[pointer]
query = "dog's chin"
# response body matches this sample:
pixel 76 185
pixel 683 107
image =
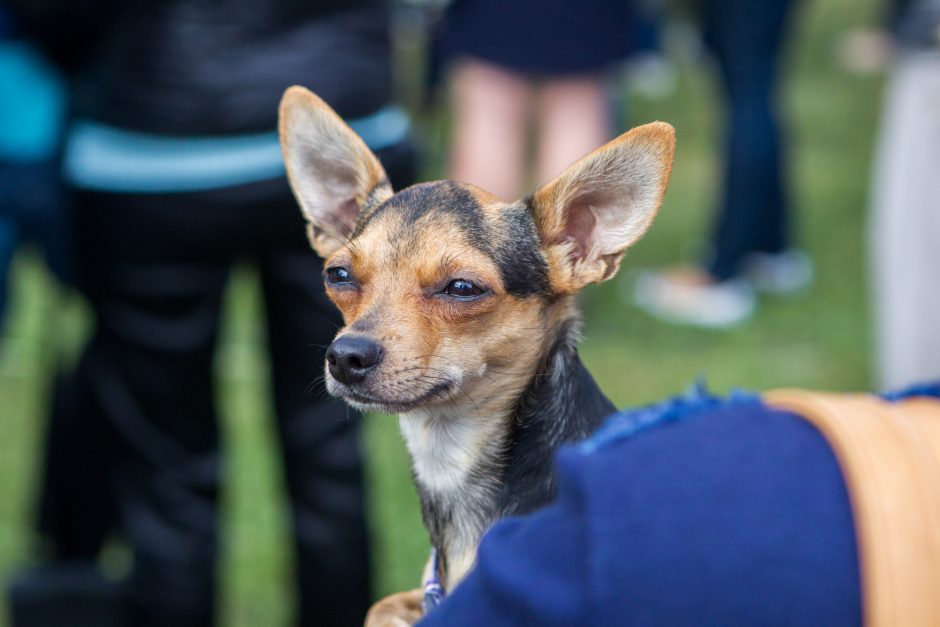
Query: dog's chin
pixel 365 400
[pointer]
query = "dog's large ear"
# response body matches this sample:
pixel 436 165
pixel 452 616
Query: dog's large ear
pixel 331 170
pixel 599 206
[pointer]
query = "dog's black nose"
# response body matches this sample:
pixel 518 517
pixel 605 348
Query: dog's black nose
pixel 351 357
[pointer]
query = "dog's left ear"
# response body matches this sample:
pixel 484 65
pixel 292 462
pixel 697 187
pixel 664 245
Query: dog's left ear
pixel 599 206
pixel 331 170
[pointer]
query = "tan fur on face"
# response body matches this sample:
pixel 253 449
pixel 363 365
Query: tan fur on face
pixel 482 347
pixel 486 350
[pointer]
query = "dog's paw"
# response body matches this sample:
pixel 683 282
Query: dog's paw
pixel 398 610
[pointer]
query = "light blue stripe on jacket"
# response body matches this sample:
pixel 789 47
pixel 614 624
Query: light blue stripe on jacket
pixel 105 158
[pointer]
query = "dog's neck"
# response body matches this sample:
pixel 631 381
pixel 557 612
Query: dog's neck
pixel 473 465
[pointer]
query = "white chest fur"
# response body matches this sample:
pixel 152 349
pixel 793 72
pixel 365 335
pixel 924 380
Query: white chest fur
pixel 444 448
pixel 455 458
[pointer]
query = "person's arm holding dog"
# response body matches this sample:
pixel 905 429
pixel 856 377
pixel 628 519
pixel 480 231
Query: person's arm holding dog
pixel 718 512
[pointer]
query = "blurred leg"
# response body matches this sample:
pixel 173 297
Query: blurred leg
pixel 573 120
pixel 746 38
pixel 76 496
pixel 146 374
pixel 905 226
pixel 490 108
pixel 159 395
pixel 320 442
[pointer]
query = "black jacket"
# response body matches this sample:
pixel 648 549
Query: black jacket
pixel 214 67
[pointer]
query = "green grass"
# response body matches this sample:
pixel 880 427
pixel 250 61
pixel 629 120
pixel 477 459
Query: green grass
pixel 818 339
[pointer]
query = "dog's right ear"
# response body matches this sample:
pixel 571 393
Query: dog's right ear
pixel 333 173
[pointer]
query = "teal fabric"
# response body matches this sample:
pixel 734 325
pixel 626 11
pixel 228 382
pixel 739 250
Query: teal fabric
pixel 32 104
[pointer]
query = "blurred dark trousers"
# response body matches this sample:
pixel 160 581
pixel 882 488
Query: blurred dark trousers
pixel 746 37
pixel 134 439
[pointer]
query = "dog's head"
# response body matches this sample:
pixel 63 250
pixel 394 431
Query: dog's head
pixel 447 292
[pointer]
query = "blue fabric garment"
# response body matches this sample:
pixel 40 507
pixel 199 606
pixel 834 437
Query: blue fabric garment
pixel 524 36
pixel 718 513
pixel 931 389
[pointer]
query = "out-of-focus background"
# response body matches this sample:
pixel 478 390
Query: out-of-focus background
pixel 820 338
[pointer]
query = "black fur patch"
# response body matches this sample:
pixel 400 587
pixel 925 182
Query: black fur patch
pixel 562 404
pixel 512 244
pixel 519 254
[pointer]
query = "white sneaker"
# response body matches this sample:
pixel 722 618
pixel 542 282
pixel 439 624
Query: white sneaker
pixel 690 297
pixel 779 273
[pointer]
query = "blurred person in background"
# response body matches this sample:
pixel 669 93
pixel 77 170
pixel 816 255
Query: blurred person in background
pixel 175 165
pixel 751 243
pixel 905 205
pixel 32 103
pixel 512 61
pixel 869 49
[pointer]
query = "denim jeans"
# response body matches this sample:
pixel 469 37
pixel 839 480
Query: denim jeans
pixel 746 38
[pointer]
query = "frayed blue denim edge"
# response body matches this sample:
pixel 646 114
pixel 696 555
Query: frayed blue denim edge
pixel 697 399
pixel 923 389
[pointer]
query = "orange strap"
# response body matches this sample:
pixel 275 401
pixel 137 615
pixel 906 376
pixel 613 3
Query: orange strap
pixel 889 453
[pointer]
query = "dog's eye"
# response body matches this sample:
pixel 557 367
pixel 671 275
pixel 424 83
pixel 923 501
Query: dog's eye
pixel 338 276
pixel 462 288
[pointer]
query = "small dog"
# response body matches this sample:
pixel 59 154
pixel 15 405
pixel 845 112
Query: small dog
pixel 460 313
